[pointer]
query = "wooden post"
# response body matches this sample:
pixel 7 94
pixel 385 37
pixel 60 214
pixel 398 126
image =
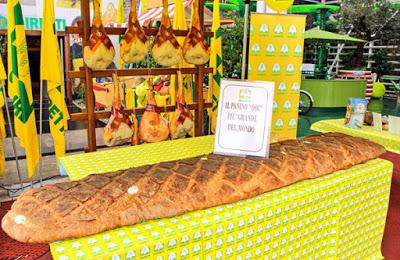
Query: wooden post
pixel 200 101
pixel 67 66
pixel 199 79
pixel 89 95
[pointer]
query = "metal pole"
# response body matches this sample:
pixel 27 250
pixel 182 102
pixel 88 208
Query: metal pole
pixel 245 29
pixel 12 134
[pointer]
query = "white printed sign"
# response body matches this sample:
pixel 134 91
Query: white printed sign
pixel 244 118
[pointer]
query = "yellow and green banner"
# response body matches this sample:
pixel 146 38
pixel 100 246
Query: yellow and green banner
pixel 276 54
pixel 3 76
pixel 216 63
pixel 19 86
pixel 51 71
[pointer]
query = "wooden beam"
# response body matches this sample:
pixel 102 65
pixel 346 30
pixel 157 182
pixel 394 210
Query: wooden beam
pixel 137 72
pixel 122 30
pixel 89 95
pixel 106 114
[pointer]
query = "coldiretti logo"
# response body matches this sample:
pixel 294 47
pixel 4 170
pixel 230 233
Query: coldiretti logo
pixel 276 69
pixel 298 50
pixel 292 123
pixel 244 95
pixel 282 88
pixel 292 30
pixel 287 106
pixel 270 49
pixel 261 68
pixel 278 29
pixel 255 49
pixel 33 23
pixel 290 68
pixel 251 29
pixel 275 106
pixel 284 50
pixel 264 29
pixel 279 124
pixel 295 87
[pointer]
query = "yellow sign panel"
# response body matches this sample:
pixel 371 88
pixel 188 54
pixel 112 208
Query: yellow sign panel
pixel 276 54
pixel 279 5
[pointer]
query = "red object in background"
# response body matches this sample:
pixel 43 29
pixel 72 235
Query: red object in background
pixel 12 249
pixel 158 87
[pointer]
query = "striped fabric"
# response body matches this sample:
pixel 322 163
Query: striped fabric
pixel 359 74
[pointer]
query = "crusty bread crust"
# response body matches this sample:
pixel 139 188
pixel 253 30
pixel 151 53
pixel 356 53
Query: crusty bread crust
pixel 107 201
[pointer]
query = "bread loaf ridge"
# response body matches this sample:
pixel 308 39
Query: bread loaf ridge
pixel 102 202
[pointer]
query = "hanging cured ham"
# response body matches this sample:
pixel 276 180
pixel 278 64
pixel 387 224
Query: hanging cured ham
pixel 119 129
pixel 99 51
pixel 182 122
pixel 166 49
pixel 152 128
pixel 135 44
pixel 195 48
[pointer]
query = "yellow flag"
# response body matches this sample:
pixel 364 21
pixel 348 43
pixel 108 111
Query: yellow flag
pixel 50 70
pixel 120 19
pixel 179 23
pixel 216 63
pixel 19 86
pixel 144 6
pixel 3 76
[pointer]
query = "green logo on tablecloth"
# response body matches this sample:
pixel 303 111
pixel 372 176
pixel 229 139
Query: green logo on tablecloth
pixel 270 50
pixel 130 255
pixel 80 255
pixel 251 30
pixel 282 88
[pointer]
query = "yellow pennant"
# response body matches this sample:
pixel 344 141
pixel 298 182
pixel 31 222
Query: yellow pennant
pixel 279 5
pixel 3 75
pixel 19 86
pixel 216 63
pixel 50 70
pixel 179 23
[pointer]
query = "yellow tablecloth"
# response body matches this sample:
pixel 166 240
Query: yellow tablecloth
pixel 338 216
pixel 390 141
pixel 81 165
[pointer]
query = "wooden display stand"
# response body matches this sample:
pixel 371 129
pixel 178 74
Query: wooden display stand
pixel 88 74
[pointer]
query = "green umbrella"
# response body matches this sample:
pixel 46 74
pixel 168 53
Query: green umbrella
pixel 317 35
